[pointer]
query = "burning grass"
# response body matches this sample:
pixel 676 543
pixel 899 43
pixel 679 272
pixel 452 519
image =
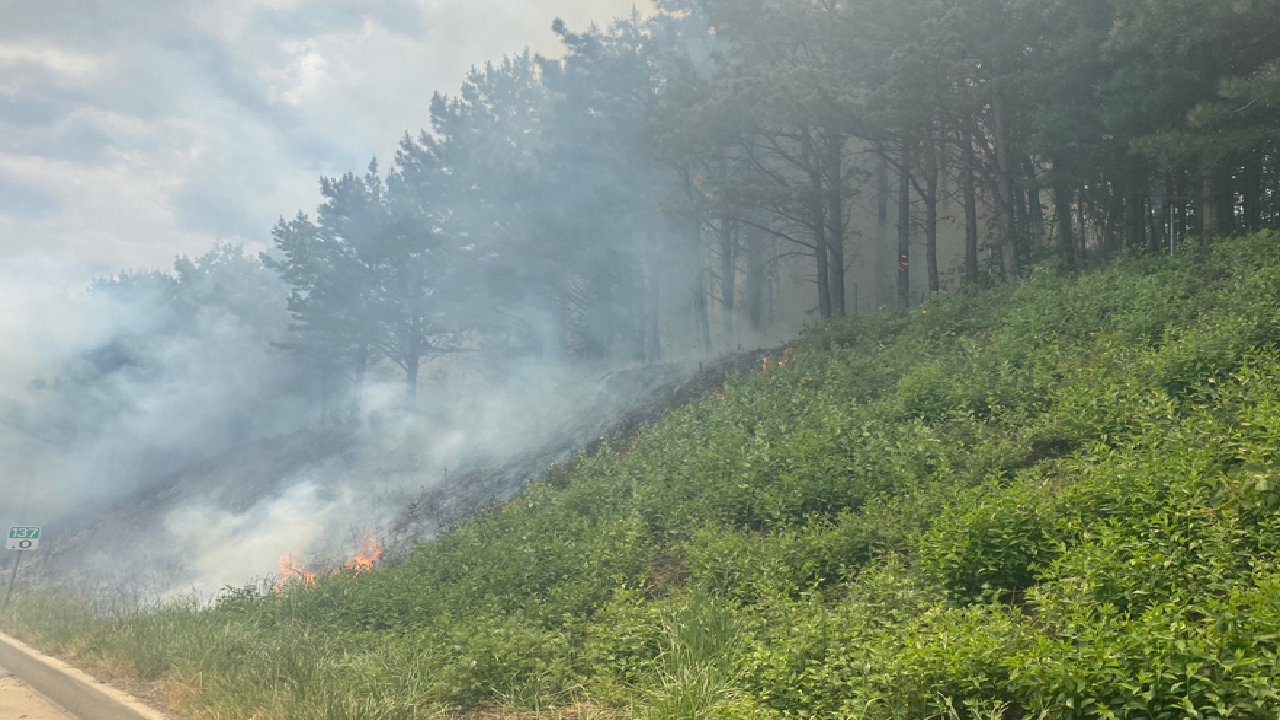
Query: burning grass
pixel 366 555
pixel 293 571
pixel 365 558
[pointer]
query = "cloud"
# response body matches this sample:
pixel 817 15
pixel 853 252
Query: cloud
pixel 23 201
pixel 139 129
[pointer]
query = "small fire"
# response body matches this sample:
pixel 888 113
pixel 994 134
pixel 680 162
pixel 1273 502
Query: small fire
pixel 768 362
pixel 367 554
pixel 368 551
pixel 291 570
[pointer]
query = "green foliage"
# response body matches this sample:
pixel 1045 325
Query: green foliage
pixel 1200 654
pixel 1060 498
pixel 992 543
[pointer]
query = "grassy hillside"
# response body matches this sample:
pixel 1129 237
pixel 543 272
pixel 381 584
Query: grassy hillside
pixel 1058 498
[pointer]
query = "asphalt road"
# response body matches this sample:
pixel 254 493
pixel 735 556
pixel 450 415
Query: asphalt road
pixel 19 702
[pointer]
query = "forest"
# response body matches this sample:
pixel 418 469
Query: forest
pixel 722 172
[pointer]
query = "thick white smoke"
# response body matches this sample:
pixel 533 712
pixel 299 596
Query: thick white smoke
pixel 148 131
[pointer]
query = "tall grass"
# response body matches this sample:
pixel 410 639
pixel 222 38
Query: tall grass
pixel 697 669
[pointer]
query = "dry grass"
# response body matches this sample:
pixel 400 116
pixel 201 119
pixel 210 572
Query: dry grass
pixel 159 695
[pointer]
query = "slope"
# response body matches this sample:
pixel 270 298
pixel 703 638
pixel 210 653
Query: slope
pixel 1059 498
pixel 230 517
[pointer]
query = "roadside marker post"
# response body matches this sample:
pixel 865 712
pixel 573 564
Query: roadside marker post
pixel 21 537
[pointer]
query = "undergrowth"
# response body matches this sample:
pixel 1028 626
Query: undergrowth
pixel 1055 499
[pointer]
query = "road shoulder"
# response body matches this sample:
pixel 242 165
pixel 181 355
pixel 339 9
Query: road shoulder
pixel 85 697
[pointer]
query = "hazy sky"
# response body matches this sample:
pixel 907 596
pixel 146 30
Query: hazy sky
pixel 134 130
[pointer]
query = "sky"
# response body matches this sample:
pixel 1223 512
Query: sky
pixel 132 131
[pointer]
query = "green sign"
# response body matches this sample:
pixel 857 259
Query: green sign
pixel 23 538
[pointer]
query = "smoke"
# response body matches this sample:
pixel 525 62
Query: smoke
pixel 43 326
pixel 225 548
pixel 154 424
pixel 136 131
pixel 103 392
pixel 313 494
pixel 155 429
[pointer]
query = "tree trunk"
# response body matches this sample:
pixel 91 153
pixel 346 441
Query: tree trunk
pixel 1062 211
pixel 700 300
pixel 835 220
pixel 1133 225
pixel 1252 191
pixel 817 222
pixel 884 274
pixel 1022 233
pixel 728 275
pixel 1135 206
pixel 755 278
pixel 904 229
pixel 1225 184
pixel 971 270
pixel 701 310
pixel 1082 221
pixel 653 288
pixel 824 270
pixel 1209 221
pixel 1269 199
pixel 931 214
pixel 1115 222
pixel 1006 203
pixel 1035 207
pixel 1159 202
pixel 1181 225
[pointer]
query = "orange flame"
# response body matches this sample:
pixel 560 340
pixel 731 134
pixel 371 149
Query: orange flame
pixel 366 557
pixel 367 554
pixel 291 570
pixel 765 363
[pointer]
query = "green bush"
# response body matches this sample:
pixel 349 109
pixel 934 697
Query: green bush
pixel 993 542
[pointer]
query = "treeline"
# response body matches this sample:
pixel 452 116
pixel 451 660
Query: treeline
pixel 635 198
